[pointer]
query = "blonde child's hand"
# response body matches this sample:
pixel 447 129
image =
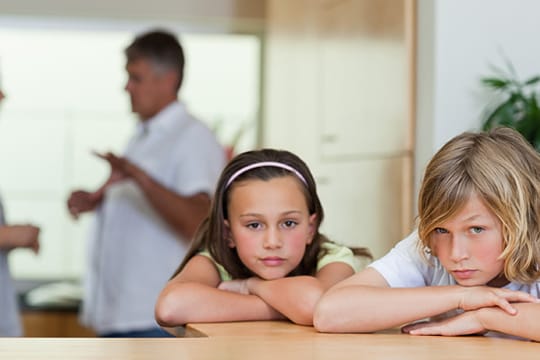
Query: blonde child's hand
pixel 467 323
pixel 477 297
pixel 237 286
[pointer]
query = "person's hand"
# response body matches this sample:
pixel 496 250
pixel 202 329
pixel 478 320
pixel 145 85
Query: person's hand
pixel 22 236
pixel 237 286
pixel 82 201
pixel 467 323
pixel 121 168
pixel 477 297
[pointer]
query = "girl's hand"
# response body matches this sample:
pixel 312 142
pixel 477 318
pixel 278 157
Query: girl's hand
pixel 477 297
pixel 467 323
pixel 237 286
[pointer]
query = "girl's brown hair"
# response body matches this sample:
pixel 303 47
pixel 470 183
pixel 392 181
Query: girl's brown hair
pixel 212 234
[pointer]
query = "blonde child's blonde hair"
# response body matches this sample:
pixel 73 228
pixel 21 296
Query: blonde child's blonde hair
pixel 503 169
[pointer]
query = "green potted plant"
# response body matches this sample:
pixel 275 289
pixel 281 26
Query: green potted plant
pixel 516 104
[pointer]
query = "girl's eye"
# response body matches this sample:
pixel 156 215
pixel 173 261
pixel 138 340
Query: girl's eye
pixel 440 231
pixel 289 223
pixel 254 225
pixel 477 229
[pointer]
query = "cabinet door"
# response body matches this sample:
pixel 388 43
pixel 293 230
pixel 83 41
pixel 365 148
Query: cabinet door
pixel 291 78
pixel 53 324
pixel 364 202
pixel 363 71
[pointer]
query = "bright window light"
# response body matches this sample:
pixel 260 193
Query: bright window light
pixel 65 98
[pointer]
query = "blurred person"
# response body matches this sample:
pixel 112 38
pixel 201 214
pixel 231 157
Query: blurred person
pixel 156 196
pixel 12 237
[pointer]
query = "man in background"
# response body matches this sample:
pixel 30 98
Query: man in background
pixel 155 198
pixel 11 237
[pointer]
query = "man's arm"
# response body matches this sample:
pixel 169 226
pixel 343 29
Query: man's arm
pixel 182 213
pixel 81 201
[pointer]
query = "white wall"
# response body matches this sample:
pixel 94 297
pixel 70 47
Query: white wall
pixel 458 40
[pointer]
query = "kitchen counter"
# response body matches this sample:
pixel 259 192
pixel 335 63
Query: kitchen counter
pixel 50 307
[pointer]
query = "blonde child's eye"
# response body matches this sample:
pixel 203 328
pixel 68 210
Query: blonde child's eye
pixel 477 229
pixel 440 231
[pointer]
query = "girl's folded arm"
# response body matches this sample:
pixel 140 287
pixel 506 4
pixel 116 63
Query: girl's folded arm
pixel 192 296
pixel 296 297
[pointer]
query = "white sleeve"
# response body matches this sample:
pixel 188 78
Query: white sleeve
pixel 404 266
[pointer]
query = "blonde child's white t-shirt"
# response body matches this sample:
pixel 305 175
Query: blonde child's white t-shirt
pixel 405 267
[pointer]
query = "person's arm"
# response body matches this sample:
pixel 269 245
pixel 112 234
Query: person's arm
pixel 81 201
pixel 365 303
pixel 525 323
pixel 19 236
pixel 167 203
pixel 296 297
pixel 192 296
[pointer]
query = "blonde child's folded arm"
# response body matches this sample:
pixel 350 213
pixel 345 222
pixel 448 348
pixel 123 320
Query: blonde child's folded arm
pixel 296 297
pixel 525 323
pixel 349 306
pixel 192 296
pixel 365 303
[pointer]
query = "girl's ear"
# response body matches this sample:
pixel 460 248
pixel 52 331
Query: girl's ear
pixel 228 234
pixel 311 228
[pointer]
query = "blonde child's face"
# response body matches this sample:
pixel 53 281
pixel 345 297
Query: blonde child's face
pixel 270 225
pixel 469 244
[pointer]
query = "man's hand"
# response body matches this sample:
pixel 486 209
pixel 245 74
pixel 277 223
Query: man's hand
pixel 82 201
pixel 122 168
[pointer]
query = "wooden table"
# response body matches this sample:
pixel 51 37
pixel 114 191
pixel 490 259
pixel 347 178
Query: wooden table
pixel 270 340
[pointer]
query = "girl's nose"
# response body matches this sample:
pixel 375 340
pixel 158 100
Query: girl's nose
pixel 272 239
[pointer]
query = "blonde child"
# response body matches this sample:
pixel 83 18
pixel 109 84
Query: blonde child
pixel 474 259
pixel 259 254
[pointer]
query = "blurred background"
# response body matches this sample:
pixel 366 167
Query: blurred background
pixel 364 90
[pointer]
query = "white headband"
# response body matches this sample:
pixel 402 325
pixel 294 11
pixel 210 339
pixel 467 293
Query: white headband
pixel 263 164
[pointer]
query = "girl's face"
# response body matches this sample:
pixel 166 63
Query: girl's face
pixel 269 225
pixel 469 244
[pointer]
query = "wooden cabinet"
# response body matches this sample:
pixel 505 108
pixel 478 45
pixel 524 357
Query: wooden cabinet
pixel 53 324
pixel 339 93
pixel 364 202
pixel 363 79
